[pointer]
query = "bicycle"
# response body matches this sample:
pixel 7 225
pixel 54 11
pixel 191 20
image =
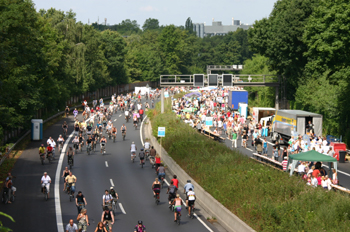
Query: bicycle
pixel 191 212
pixel 6 197
pixel 80 207
pixel 114 206
pixel 69 192
pixel 142 163
pixel 114 136
pixel 135 125
pixel 103 148
pixel 60 146
pixel 178 216
pixel 133 156
pixel 88 149
pixel 49 156
pixel 70 163
pixel 124 134
pixel 44 190
pixel 64 134
pixel 42 158
pixel 157 198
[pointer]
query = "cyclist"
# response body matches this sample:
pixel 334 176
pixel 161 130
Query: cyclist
pixel 161 172
pixel 135 120
pixel 71 227
pixel 191 196
pixel 177 202
pixel 147 146
pixel 64 175
pixel 103 143
pixel 114 132
pixel 156 187
pixel 89 129
pixel 76 129
pixel 142 156
pixel 65 127
pixel 88 143
pixel 83 220
pixel 187 188
pixel 153 152
pixel 133 149
pixel 42 151
pixel 70 155
pixel 60 141
pixel 81 141
pixel 107 217
pixel 141 114
pixel 172 192
pixel 49 150
pixel 9 188
pixel 45 182
pixel 123 129
pixel 53 145
pixel 175 181
pixel 75 142
pixel 107 198
pixel 71 180
pixel 67 111
pixel 114 194
pixel 80 201
pixel 139 227
pixel 126 115
pixel 75 113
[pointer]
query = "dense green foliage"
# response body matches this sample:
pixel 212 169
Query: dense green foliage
pixel 46 57
pixel 308 42
pixel 265 198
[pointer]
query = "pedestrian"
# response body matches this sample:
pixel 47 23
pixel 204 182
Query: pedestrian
pixel 285 163
pixel 234 139
pixel 275 154
pixel 265 147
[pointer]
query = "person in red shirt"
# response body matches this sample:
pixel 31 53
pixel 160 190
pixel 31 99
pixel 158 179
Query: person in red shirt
pixel 49 150
pixel 175 181
pixel 97 108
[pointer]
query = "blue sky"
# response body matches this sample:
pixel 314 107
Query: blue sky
pixel 167 12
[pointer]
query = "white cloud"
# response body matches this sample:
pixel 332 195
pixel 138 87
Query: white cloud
pixel 148 8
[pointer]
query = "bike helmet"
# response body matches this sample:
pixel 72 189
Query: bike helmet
pixel 188 181
pixel 133 142
pixel 139 222
pixel 141 149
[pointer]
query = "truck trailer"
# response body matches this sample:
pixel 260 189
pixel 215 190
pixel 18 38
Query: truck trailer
pixel 262 112
pixel 287 123
pixel 235 97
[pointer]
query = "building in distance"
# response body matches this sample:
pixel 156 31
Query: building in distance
pixel 217 28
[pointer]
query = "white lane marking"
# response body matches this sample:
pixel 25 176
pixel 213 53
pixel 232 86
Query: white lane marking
pixel 115 119
pixel 122 208
pixel 106 164
pixel 112 184
pixel 141 130
pixel 59 220
pixel 249 149
pixel 200 220
pixel 120 115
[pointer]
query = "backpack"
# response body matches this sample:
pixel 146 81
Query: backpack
pixel 172 190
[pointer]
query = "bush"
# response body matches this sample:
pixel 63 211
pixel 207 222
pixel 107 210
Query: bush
pixel 265 198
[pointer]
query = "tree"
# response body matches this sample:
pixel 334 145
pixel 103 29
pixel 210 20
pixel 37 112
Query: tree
pixel 279 38
pixel 189 25
pixel 150 24
pixel 128 27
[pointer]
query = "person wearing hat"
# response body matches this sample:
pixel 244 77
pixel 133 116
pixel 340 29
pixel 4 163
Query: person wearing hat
pixel 114 194
pixel 285 163
pixel 45 182
pixel 187 188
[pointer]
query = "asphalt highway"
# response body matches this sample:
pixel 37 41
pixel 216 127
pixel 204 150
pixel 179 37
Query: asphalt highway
pixel 95 173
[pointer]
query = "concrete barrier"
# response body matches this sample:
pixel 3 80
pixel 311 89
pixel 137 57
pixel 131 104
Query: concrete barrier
pixel 225 217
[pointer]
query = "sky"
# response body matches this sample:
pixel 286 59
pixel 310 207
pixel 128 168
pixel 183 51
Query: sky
pixel 167 12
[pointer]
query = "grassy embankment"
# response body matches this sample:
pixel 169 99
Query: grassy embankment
pixel 266 199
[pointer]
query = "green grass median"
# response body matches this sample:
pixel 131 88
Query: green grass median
pixel 265 198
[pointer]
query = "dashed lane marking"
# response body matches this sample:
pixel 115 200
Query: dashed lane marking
pixel 122 208
pixel 112 184
pixel 106 164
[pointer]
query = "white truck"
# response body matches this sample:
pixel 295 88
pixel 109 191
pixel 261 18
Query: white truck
pixel 287 123
pixel 261 112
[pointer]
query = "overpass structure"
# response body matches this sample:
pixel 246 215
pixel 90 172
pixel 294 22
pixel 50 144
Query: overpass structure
pixel 226 80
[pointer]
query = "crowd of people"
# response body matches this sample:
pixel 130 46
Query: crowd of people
pixel 195 108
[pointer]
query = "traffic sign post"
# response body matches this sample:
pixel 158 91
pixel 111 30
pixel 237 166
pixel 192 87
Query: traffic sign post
pixel 161 134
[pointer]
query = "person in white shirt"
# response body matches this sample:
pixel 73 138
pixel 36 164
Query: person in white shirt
pixel 319 149
pixel 133 149
pixel 324 143
pixel 147 146
pixel 107 198
pixel 301 169
pixel 314 182
pixel 191 196
pixel 46 181
pixel 71 227
pixel 53 145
